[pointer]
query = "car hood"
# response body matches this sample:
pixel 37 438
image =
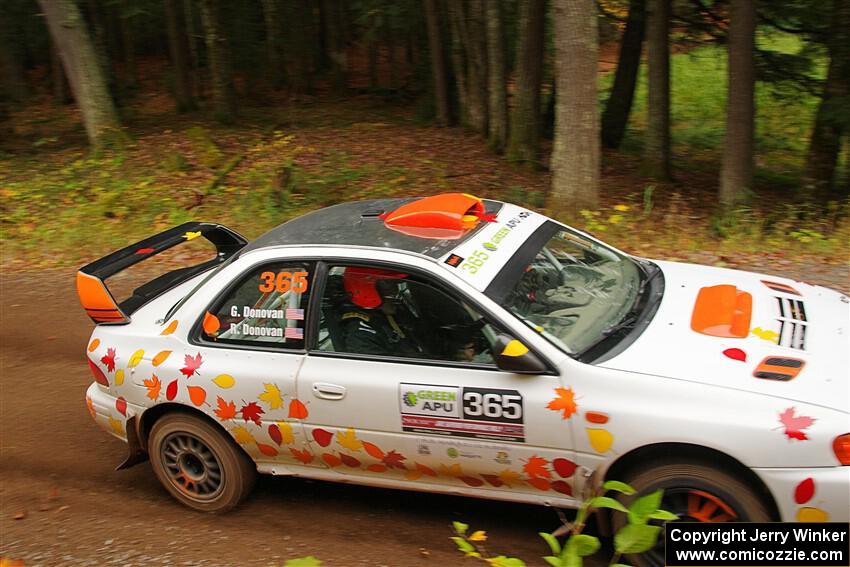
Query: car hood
pixel 754 333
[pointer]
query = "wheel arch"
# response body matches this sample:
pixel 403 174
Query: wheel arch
pixel 672 452
pixel 154 414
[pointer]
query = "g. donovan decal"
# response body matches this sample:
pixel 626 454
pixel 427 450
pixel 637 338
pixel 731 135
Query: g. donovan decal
pixel 483 413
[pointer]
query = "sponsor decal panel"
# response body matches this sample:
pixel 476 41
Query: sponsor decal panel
pixel 481 413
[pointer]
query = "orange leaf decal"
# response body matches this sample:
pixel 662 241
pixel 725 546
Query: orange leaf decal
pixel 170 328
pixel 565 401
pixel 94 344
pixel 160 357
pixel 539 483
pixel 226 410
pixel 425 470
pixel 197 394
pixel 109 359
pixel 509 477
pixel 794 425
pixel 536 467
pixel 90 405
pixel 267 450
pixel 413 474
pixel 297 410
pixel 304 455
pixel 452 471
pixel 192 363
pixel 153 385
pixel 211 324
pixel 373 450
pixel 376 468
pixel 331 460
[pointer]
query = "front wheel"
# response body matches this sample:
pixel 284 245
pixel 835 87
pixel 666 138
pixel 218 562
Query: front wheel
pixel 198 465
pixel 696 493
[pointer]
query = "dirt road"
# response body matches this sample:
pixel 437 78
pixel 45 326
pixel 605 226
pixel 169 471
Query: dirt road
pixel 61 502
pixel 56 470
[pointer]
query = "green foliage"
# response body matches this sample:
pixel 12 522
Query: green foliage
pixel 637 536
pixel 308 561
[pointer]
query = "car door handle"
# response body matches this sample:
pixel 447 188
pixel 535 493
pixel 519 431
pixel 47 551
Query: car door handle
pixel 328 391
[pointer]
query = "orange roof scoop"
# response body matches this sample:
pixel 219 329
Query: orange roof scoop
pixel 447 216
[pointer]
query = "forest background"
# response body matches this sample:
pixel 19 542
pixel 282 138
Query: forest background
pixel 706 130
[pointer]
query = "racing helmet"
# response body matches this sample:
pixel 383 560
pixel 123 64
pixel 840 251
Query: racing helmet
pixel 362 284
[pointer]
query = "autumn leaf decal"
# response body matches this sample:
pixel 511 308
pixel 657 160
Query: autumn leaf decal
pixel 226 410
pixel 565 402
pixel 394 460
pixel 252 412
pixel 536 468
pixel 302 455
pixel 109 359
pixel 272 396
pixel 794 425
pixel 154 386
pixel 349 440
pixel 242 435
pixel 191 365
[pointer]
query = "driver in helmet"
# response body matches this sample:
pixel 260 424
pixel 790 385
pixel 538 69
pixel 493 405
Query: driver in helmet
pixel 375 320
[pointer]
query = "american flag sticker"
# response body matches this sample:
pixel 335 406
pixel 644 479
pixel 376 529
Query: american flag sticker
pixel 294 314
pixel 296 333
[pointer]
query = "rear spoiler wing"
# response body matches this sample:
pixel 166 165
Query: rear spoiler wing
pixel 98 301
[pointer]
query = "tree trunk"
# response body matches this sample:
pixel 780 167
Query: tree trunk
pixel 128 46
pixel 100 43
pixel 69 33
pixel 459 64
pixel 58 80
pixel 178 46
pixel 736 174
pixel 497 107
pixel 831 121
pixel 468 24
pixel 525 118
pixel 335 44
pixel 439 74
pixel 221 68
pixel 575 152
pixel 656 149
pixel 619 105
pixel 12 76
pixel 274 43
pixel 194 49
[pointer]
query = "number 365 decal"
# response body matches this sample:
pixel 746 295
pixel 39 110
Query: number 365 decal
pixel 485 404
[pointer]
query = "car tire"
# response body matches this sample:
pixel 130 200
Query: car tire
pixel 198 465
pixel 695 492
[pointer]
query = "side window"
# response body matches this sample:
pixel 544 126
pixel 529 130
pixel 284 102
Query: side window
pixel 267 307
pixel 383 312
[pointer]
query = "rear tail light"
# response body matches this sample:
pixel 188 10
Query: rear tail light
pixel 841 447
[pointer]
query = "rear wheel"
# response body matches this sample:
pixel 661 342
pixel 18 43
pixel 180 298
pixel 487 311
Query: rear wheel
pixel 696 493
pixel 198 465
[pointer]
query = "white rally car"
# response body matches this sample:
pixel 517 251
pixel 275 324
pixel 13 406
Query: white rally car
pixel 455 345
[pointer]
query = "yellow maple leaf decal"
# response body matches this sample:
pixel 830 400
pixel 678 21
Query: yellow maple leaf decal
pixel 242 435
pixel 272 396
pixel 191 235
pixel 453 471
pixel 349 440
pixel 286 436
pixel 766 335
pixel 509 477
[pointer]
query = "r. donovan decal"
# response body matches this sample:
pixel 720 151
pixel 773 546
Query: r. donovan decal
pixel 483 413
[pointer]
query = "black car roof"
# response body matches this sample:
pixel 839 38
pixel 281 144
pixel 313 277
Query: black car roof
pixel 358 223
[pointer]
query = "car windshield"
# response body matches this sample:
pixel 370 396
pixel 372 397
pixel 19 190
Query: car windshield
pixel 574 290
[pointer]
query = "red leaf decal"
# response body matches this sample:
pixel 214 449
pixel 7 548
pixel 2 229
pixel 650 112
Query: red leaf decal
pixel 736 354
pixel 109 359
pixel 794 424
pixel 394 460
pixel 331 459
pixel 323 437
pixel 539 483
pixel 171 391
pixel 252 412
pixel 297 410
pixel 493 480
pixel 472 481
pixel 121 405
pixel 349 461
pixel 562 487
pixel 804 491
pixel 274 434
pixel 99 376
pixel 536 468
pixel 267 450
pixel 564 467
pixel 376 468
pixel 192 363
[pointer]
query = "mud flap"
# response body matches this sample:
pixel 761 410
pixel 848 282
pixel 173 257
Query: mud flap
pixel 135 453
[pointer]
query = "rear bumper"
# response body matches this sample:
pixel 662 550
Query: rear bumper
pixel 830 500
pixel 103 408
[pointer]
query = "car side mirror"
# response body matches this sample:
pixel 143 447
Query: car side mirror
pixel 513 356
